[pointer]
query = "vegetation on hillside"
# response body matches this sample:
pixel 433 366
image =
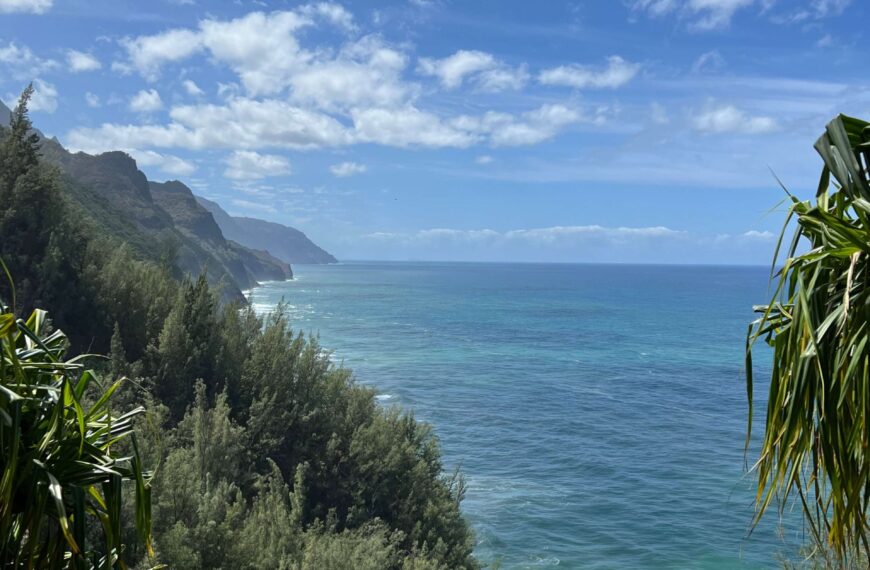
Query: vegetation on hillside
pixel 264 453
pixel 816 443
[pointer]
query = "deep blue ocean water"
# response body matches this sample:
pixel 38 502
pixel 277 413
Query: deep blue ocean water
pixel 597 411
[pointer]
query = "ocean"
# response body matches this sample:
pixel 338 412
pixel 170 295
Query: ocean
pixel 598 412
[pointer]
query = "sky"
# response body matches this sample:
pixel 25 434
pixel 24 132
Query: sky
pixel 503 130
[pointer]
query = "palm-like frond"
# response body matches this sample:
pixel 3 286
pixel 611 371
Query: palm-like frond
pixel 817 430
pixel 58 467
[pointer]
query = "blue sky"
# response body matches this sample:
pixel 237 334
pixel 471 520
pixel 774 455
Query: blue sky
pixel 624 131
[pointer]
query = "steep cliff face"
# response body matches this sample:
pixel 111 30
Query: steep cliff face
pixel 157 218
pixel 197 224
pixel 178 201
pixel 5 114
pixel 285 243
pixel 114 177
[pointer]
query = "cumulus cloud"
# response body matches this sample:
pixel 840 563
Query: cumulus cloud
pixel 241 123
pixel 729 119
pixel 79 61
pixel 249 165
pixel 22 64
pixel 333 13
pixel 146 101
pixel 295 97
pixel 192 88
pixel 617 73
pixel 92 100
pixel 261 48
pixel 408 126
pixel 453 69
pixel 502 79
pixel 25 6
pixel 346 169
pixel 44 97
pixel 146 54
pixel 484 69
pixel 364 73
pixel 168 163
pixel 257 124
pixel 532 127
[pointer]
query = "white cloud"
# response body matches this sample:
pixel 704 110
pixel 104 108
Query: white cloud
pixel 168 163
pixel 486 72
pixel 483 159
pixel 825 8
pixel 146 101
pixel 44 97
pixel 250 123
pixel 240 124
pixel 92 100
pixel 261 48
pixel 26 6
pixel 146 54
pixel 617 73
pixel 253 206
pixel 702 15
pixel 554 235
pixel 346 169
pixel 757 235
pixel 730 119
pixel 815 10
pixel 192 88
pixel 79 61
pixel 366 72
pixel 249 165
pixel 708 62
pixel 336 14
pixel 22 63
pixel 502 79
pixel 293 97
pixel 258 124
pixel 452 70
pixel 532 127
pixel 407 126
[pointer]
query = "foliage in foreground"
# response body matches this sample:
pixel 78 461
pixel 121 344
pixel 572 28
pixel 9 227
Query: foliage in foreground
pixel 265 454
pixel 816 443
pixel 60 481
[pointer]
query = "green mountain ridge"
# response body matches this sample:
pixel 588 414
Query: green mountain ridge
pixel 245 265
pixel 284 242
pixel 116 195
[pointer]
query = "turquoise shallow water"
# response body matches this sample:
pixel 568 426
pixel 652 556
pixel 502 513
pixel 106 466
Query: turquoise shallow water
pixel 598 411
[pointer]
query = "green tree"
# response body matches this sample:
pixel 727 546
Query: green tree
pixel 817 428
pixel 186 347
